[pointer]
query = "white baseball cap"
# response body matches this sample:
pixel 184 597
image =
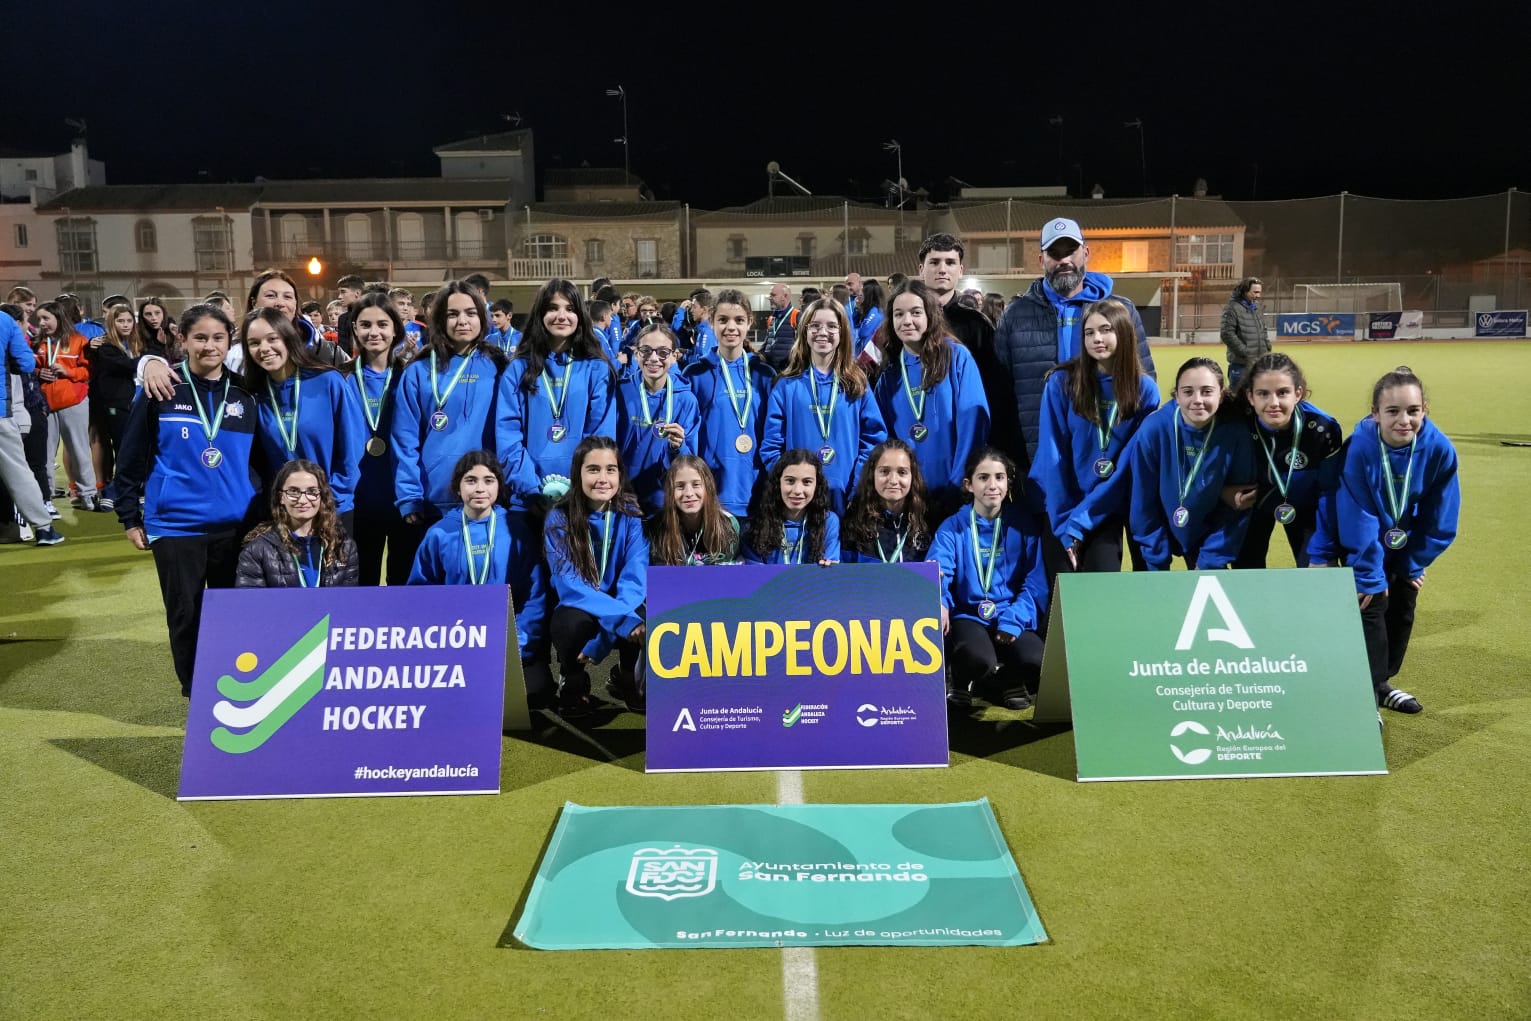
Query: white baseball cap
pixel 1060 228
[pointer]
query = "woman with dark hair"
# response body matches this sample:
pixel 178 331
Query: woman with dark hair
pixel 597 599
pixel 199 463
pixel 693 527
pixel 374 378
pixel 794 524
pixel 993 306
pixel 1242 329
pixel 560 390
pixel 930 393
pixel 303 545
pixel 444 407
pixel 1092 405
pixel 306 409
pixel 873 316
pixel 887 521
pixel 154 329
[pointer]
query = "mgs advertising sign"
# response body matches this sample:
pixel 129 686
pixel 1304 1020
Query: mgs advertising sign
pixel 1212 674
pixel 348 692
pixel 771 667
pixel 1316 325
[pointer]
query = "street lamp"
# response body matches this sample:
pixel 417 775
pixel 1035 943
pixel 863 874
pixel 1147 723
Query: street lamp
pixel 315 267
pixel 620 93
pixel 1137 122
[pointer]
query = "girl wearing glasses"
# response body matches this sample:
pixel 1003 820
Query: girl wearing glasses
pixel 302 546
pixel 822 402
pixel 657 416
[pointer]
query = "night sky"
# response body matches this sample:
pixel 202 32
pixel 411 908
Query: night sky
pixel 1264 101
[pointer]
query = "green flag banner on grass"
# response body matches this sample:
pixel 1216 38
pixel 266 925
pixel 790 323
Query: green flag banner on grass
pixel 776 876
pixel 1197 674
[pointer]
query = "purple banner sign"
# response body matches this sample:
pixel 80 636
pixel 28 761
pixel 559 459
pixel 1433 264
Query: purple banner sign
pixel 347 692
pixel 799 667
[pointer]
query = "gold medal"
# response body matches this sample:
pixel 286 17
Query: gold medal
pixel 744 444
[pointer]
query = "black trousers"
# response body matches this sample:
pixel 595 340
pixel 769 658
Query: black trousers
pixel 571 630
pixel 375 530
pixel 1257 540
pixel 1099 552
pixel 977 659
pixel 1386 624
pixel 35 445
pixel 188 565
pixel 110 421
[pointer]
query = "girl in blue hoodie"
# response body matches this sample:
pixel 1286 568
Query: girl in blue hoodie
pixel 822 402
pixel 794 524
pixel 598 560
pixel 693 529
pixel 1181 459
pixel 993 590
pixel 732 389
pixel 930 393
pixel 478 543
pixel 1082 438
pixel 560 390
pixel 445 405
pixel 657 416
pixel 1397 510
pixel 1298 458
pixel 374 377
pixel 889 518
pixel 307 410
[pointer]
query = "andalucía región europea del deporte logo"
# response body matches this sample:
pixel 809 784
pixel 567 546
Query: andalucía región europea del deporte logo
pixel 252 710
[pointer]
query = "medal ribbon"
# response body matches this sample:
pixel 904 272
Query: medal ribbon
pixel 54 346
pixel 556 405
pixel 916 406
pixel 898 551
pixel 1184 481
pixel 441 398
pixel 475 576
pixel 605 547
pixel 366 407
pixel 985 578
pixel 1397 501
pixel 290 442
pixel 669 400
pixel 834 391
pixel 308 550
pixel 1291 459
pixel 208 428
pixel 742 414
pixel 791 550
pixel 1103 433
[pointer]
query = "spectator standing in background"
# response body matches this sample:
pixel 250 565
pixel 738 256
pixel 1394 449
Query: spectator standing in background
pixel 1243 329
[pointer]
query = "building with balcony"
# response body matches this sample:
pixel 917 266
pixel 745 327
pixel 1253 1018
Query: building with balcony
pixel 508 156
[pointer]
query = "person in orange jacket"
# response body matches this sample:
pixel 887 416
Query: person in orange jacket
pixel 65 375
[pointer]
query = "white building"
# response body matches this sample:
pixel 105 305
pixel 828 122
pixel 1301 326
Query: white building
pixel 22 170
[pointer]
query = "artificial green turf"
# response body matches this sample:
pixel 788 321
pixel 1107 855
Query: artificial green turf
pixel 1401 896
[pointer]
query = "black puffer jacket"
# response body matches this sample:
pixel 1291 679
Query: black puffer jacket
pixel 265 563
pixel 1026 344
pixel 976 333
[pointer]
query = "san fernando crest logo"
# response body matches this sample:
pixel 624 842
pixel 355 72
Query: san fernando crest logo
pixel 674 873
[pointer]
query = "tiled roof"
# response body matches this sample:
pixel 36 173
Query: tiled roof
pixel 1093 214
pixel 147 197
pixel 505 141
pixel 665 211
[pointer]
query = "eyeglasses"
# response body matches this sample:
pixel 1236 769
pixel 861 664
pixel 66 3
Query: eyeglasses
pixel 823 328
pixel 648 311
pixel 300 494
pixel 661 353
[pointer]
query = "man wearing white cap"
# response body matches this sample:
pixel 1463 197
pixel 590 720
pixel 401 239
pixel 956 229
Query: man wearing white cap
pixel 1041 328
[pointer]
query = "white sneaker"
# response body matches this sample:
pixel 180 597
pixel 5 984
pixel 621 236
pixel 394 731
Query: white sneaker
pixel 26 532
pixel 52 510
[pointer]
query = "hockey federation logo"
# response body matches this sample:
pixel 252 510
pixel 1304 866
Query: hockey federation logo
pixel 674 873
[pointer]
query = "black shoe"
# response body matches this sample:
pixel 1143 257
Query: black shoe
pixel 958 695
pixel 1015 698
pixel 1398 701
pixel 624 688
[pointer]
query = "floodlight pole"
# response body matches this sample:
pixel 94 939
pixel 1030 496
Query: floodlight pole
pixel 1339 255
pixel 621 93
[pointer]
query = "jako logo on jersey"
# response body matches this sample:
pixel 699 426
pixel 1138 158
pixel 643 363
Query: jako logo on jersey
pixel 1208 590
pixel 272 698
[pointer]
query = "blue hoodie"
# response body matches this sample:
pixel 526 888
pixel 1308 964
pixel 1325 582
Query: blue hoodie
pixel 703 340
pixel 1018 586
pixel 646 454
pixel 1214 532
pixel 1431 507
pixel 717 440
pixel 1071 311
pixel 426 456
pixel 514 560
pixel 866 329
pixel 162 465
pixel 524 432
pixel 375 487
pixel 792 550
pixel 792 423
pixel 13 347
pixel 1311 482
pixel 617 602
pixel 1077 495
pixel 956 417
pixel 331 430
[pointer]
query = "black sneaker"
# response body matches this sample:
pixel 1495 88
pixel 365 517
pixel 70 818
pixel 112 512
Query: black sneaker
pixel 624 689
pixel 1398 701
pixel 48 537
pixel 1015 698
pixel 958 694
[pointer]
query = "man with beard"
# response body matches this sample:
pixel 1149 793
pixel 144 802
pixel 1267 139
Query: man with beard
pixel 1041 328
pixel 780 328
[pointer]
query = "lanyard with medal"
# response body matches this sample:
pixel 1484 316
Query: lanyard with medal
pixel 826 452
pixel 1104 466
pixel 1185 480
pixel 475 575
pixel 440 418
pixel 212 457
pixel 792 552
pixel 54 347
pixel 290 441
pixel 986 607
pixel 744 444
pixel 1285 512
pixel 647 419
pixel 376 445
pixel 605 549
pixel 897 557
pixel 1397 499
pixel 558 429
pixel 918 431
pixel 308 552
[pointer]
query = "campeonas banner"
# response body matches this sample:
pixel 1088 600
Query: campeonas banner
pixel 770 667
pixel 348 691
pixel 1175 675
pixel 777 876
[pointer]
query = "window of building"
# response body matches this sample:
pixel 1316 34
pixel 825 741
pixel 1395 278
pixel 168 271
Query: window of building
pixel 31 175
pixel 77 246
pixel 1204 249
pixel 595 251
pixel 807 245
pixel 145 236
pixel 858 246
pixel 737 246
pixel 646 254
pixel 21 236
pixel 545 246
pixel 213 239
